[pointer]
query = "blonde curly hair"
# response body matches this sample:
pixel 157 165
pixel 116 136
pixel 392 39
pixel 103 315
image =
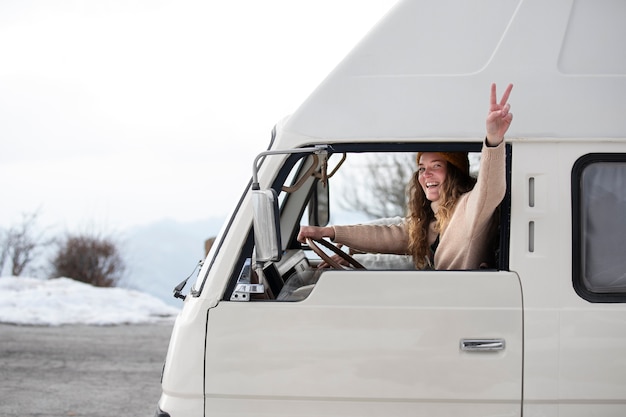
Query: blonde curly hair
pixel 420 214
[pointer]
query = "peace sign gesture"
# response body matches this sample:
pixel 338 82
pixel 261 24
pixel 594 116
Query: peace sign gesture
pixel 499 119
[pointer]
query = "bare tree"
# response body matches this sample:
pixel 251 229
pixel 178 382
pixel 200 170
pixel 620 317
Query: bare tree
pixel 381 190
pixel 21 244
pixel 4 249
pixel 91 259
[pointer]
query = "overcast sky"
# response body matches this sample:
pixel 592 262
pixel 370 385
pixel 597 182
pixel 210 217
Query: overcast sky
pixel 121 112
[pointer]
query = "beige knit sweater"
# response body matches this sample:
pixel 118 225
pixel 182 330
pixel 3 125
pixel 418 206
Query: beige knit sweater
pixel 465 242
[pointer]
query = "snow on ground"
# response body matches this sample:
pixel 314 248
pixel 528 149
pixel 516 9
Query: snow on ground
pixel 59 301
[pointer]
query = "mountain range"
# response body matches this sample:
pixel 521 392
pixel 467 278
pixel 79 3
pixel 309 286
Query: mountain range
pixel 162 254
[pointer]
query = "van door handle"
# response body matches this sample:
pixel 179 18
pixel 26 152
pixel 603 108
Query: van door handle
pixel 482 345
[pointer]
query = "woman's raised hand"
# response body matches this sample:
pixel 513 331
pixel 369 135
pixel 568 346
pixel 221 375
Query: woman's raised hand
pixel 499 118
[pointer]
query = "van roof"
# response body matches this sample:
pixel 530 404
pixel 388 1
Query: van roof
pixel 424 71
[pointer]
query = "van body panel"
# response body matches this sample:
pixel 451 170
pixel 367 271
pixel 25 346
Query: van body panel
pixel 322 349
pixel 422 72
pixel 572 347
pixel 592 335
pixel 183 380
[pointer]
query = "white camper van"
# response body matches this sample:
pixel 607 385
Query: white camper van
pixel 541 332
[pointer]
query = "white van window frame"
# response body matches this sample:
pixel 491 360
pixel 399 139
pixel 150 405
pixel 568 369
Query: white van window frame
pixel 588 278
pixel 291 242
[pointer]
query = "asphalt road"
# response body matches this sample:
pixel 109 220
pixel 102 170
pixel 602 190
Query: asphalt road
pixel 81 370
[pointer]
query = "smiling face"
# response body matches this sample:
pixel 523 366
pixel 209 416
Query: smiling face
pixel 433 170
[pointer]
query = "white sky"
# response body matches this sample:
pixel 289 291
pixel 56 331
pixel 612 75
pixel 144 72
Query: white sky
pixel 121 112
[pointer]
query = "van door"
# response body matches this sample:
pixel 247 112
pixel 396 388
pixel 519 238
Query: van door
pixel 372 343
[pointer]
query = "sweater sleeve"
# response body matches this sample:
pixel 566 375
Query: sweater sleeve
pixel 490 186
pixel 464 243
pixel 374 238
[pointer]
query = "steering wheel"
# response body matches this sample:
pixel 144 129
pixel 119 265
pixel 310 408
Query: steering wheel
pixel 313 244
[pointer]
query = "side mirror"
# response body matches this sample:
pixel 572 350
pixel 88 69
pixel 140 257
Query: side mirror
pixel 266 217
pixel 266 220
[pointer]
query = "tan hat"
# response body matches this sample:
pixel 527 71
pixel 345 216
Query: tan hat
pixel 458 159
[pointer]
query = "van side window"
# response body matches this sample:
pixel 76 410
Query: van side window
pixel 349 184
pixel 599 227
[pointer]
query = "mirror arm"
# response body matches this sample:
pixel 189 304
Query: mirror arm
pixel 307 174
pixel 320 149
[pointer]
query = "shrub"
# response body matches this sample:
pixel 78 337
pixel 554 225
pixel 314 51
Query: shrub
pixel 90 259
